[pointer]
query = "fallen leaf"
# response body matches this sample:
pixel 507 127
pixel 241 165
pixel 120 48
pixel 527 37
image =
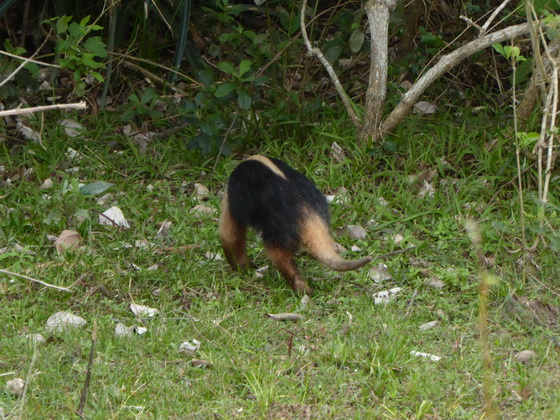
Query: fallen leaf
pixel 72 154
pixel 214 256
pixel 336 152
pixel 386 296
pixel 435 282
pixel 47 183
pixel 201 209
pixel 35 338
pixel 63 320
pixel 432 357
pixel 286 316
pixel 426 190
pixel 71 127
pixel 201 191
pixel 189 347
pixel 380 273
pixel 259 272
pixel 68 240
pixel 355 232
pixel 201 363
pixel 163 231
pixel 140 310
pixel 423 107
pixel 428 325
pixel 113 216
pixel 27 132
pixel 122 330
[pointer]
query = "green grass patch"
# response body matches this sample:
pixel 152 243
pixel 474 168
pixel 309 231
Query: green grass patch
pixel 349 358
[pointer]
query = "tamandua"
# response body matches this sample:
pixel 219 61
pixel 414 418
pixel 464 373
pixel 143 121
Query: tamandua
pixel 287 210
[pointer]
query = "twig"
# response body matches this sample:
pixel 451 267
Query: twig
pixel 472 23
pixel 148 74
pixel 29 60
pixel 83 396
pixel 22 65
pixel 9 273
pixel 317 52
pixel 226 135
pixel 411 302
pixel 390 254
pixel 492 17
pixel 27 380
pixel 290 342
pixel 20 111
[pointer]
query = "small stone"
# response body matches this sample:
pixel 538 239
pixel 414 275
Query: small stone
pixel 15 386
pixel 35 338
pixel 428 325
pixel 525 356
pixel 435 282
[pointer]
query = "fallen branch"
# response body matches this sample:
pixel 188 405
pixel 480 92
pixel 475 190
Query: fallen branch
pixel 9 273
pixel 20 111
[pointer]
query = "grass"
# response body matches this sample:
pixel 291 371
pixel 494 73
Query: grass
pixel 348 359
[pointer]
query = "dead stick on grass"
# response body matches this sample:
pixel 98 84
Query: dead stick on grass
pixel 85 389
pixel 9 273
pixel 20 111
pixel 27 381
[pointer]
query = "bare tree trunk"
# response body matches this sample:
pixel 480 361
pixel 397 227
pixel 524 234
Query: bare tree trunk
pixel 378 12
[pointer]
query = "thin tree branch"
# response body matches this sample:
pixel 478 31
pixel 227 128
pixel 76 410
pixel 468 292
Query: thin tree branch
pixel 9 273
pixel 334 78
pixel 20 111
pixel 445 64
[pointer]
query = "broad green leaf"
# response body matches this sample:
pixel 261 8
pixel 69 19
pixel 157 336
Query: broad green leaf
pixel 227 68
pixel 61 26
pixel 95 188
pixel 85 20
pixel 244 67
pixel 356 41
pixel 224 89
pixel 96 45
pixel 499 48
pixel 244 99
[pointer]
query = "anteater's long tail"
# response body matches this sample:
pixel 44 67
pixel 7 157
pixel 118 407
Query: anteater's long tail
pixel 316 238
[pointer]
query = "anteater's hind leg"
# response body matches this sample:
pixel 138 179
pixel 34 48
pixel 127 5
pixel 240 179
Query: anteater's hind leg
pixel 234 239
pixel 283 260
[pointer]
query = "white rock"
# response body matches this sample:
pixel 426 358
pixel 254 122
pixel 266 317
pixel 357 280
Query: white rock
pixel 525 356
pixel 15 386
pixel 35 338
pixel 432 357
pixel 62 320
pixel 189 346
pixel 386 296
pixel 140 310
pixel 428 325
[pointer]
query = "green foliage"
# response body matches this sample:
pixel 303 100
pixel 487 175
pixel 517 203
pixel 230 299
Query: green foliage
pixel 139 108
pixel 77 51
